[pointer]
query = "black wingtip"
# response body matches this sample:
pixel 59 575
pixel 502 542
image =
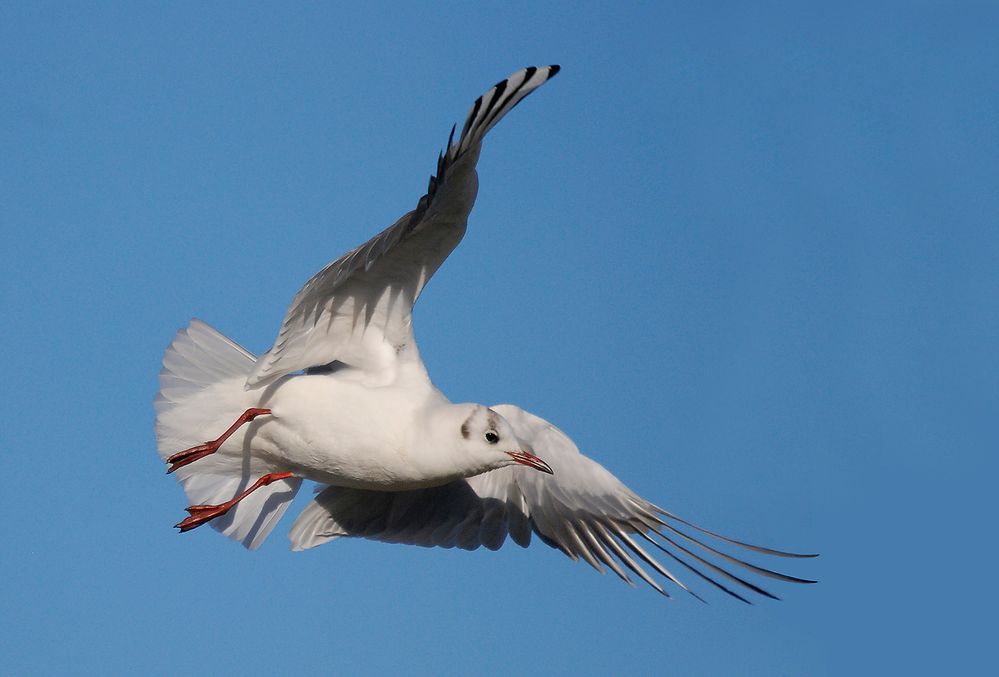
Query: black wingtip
pixel 553 70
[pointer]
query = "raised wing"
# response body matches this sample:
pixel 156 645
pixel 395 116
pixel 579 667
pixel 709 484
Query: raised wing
pixel 583 510
pixel 357 310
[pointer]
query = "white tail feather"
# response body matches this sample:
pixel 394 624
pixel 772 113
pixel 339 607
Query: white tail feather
pixel 201 394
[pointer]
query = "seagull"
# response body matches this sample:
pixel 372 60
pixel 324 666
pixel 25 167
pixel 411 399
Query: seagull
pixel 343 399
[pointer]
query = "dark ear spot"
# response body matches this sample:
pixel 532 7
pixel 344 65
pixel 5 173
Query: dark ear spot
pixel 464 430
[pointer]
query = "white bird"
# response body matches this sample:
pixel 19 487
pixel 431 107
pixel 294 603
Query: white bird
pixel 343 399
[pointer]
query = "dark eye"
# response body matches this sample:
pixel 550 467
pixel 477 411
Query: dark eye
pixel 492 437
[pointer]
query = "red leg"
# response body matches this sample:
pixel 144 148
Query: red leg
pixel 205 513
pixel 182 458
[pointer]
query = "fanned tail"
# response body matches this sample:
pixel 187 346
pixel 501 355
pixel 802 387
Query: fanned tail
pixel 201 394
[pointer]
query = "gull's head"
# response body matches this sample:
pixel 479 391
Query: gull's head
pixel 484 440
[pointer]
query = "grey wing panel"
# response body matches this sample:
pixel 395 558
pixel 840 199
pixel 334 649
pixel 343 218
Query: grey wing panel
pixel 449 516
pixel 587 513
pixel 358 309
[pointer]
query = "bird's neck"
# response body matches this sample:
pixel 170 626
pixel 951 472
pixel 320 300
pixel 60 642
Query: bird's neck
pixel 435 450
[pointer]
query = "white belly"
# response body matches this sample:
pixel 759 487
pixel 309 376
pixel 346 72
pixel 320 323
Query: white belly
pixel 340 432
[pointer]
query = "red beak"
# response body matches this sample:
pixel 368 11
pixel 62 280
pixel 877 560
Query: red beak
pixel 531 461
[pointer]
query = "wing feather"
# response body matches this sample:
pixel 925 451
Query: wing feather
pixel 358 309
pixel 583 510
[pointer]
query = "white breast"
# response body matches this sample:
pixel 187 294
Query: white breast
pixel 335 430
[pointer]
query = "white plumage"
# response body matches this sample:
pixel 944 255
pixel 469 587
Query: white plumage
pixel 343 399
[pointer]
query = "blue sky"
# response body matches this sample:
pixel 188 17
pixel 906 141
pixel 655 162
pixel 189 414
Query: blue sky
pixel 746 257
